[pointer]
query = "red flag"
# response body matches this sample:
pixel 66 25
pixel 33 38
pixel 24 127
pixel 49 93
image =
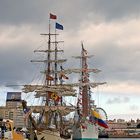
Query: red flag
pixel 53 16
pixel 50 78
pixel 83 126
pixel 54 96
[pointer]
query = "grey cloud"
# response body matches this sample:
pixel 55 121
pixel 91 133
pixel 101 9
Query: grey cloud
pixel 114 10
pixel 15 65
pixel 134 107
pixel 72 12
pixel 21 12
pixel 116 63
pixel 118 100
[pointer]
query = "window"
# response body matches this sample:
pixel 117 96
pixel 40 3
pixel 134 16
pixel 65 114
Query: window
pixel 11 115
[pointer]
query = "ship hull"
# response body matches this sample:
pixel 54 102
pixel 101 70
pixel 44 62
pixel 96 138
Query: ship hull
pixel 50 135
pixel 88 133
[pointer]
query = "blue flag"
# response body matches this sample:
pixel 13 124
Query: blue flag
pixel 58 26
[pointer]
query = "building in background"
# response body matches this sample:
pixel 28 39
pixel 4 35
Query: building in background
pixel 13 109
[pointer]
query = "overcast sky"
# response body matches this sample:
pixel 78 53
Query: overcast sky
pixel 110 30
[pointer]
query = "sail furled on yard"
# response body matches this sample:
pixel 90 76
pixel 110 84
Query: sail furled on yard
pixel 63 110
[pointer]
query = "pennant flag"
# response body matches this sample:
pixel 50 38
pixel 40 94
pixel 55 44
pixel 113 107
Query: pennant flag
pixel 53 16
pixel 58 26
pixel 62 75
pixel 50 78
pixel 98 119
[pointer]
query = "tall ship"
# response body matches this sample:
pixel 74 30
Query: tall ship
pixel 86 116
pixel 52 122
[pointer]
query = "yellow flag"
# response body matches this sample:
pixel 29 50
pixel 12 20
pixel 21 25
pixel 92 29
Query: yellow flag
pixel 96 114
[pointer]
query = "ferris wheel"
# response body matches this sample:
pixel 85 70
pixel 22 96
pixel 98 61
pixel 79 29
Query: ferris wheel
pixel 102 113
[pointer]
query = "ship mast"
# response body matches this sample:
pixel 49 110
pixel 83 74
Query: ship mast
pixel 56 58
pixel 48 61
pixel 50 90
pixel 49 47
pixel 84 96
pixel 55 79
pixel 84 79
